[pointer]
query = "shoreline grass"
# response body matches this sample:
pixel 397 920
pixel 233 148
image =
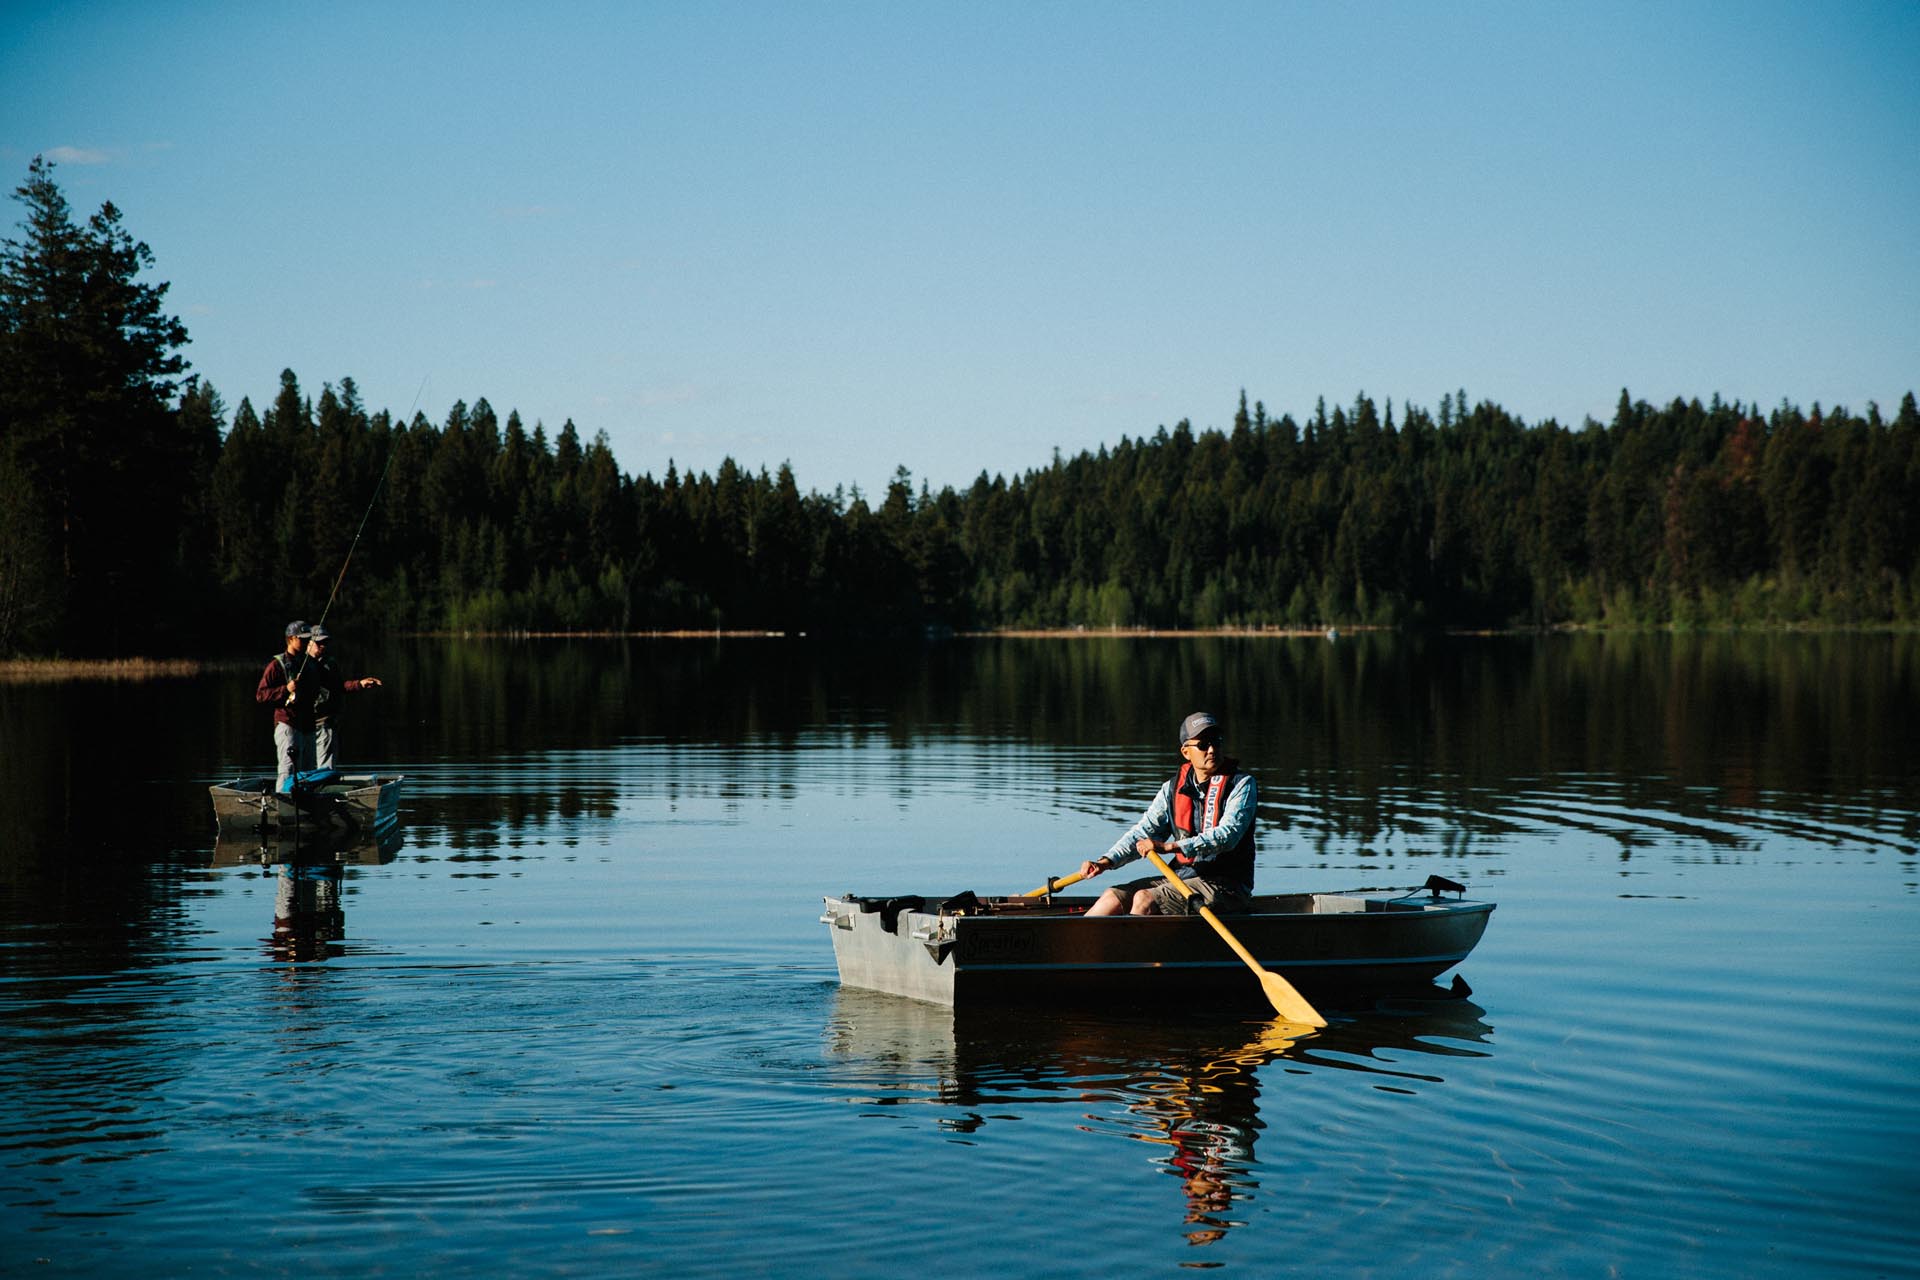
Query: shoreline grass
pixel 133 669
pixel 58 670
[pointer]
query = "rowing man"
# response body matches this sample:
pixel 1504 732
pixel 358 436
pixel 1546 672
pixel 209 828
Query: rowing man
pixel 1201 822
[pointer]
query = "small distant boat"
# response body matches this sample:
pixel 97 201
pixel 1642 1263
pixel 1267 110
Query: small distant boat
pixel 363 804
pixel 969 950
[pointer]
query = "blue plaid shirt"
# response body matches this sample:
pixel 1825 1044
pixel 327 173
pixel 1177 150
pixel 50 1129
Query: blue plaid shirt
pixel 1236 819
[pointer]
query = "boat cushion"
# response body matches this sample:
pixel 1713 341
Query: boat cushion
pixel 890 908
pixel 307 780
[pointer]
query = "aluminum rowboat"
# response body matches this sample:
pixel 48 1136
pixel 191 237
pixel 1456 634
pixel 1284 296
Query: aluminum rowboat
pixel 362 804
pixel 969 950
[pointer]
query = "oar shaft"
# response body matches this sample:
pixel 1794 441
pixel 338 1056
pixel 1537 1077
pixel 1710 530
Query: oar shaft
pixel 1053 886
pixel 1239 948
pixel 1160 865
pixel 1206 913
pixel 1286 1001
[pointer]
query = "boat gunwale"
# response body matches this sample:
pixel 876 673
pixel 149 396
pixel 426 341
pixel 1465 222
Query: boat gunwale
pixel 263 784
pixel 1018 909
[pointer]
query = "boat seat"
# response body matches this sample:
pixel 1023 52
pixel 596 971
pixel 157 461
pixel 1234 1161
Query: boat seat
pixel 889 908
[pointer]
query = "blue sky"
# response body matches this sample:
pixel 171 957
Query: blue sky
pixel 956 237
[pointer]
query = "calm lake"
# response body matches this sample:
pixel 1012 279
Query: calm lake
pixel 584 1018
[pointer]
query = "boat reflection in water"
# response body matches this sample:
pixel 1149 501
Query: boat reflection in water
pixel 309 920
pixel 1189 1086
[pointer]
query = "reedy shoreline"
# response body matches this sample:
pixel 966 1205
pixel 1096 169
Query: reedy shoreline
pixel 60 670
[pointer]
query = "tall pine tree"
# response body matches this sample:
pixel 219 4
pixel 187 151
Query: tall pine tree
pixel 98 465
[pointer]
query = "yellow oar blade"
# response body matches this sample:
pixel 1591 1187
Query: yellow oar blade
pixel 1054 886
pixel 1286 1001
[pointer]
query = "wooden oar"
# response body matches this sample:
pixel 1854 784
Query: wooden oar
pixel 1287 1002
pixel 1052 885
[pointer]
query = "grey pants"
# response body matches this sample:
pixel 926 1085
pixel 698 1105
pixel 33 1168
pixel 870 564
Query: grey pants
pixel 1221 899
pixel 294 747
pixel 323 745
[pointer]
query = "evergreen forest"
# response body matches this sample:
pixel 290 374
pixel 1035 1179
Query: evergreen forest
pixel 140 513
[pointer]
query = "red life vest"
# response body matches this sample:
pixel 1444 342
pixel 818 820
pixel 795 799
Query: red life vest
pixel 1230 866
pixel 1216 795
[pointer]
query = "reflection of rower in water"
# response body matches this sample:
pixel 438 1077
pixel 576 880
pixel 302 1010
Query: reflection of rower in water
pixel 1180 1088
pixel 1208 1111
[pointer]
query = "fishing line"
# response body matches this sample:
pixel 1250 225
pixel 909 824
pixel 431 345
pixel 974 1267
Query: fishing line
pixel 305 656
pixel 377 486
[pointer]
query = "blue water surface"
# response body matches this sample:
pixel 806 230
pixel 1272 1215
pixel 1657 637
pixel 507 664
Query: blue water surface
pixel 584 1018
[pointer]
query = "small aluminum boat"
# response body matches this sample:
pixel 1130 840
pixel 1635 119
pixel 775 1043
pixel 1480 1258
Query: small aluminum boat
pixel 350 803
pixel 969 950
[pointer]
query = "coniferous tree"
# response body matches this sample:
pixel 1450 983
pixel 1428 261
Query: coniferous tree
pixel 126 504
pixel 89 371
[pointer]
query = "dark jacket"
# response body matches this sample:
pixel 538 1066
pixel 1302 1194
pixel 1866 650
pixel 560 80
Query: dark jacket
pixel 327 688
pixel 272 690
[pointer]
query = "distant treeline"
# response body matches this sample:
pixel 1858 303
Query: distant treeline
pixel 140 516
pixel 1692 513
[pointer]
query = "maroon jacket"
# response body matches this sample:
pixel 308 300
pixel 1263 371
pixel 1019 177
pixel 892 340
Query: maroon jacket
pixel 272 691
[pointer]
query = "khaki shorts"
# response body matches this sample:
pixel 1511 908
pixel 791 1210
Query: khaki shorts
pixel 1221 899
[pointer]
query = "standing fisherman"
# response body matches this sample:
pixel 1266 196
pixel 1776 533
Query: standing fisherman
pixel 293 714
pixel 325 685
pixel 279 689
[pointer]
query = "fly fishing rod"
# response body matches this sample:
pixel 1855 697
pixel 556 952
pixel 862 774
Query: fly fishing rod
pixel 306 654
pixel 378 485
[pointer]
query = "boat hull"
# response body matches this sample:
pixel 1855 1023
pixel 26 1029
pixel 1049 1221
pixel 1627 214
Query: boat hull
pixel 1013 950
pixel 353 804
